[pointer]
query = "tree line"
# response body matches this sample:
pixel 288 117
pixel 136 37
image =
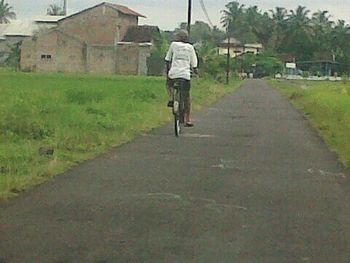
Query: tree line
pixel 298 35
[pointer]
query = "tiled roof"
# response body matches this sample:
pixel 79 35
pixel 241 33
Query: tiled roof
pixel 123 9
pixel 233 41
pixel 141 34
pixel 120 8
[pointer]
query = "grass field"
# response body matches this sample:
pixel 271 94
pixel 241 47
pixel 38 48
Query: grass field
pixel 327 105
pixel 78 117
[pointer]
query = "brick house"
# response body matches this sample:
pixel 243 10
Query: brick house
pixel 90 41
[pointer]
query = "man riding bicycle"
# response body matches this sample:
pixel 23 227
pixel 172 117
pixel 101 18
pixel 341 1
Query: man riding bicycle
pixel 180 59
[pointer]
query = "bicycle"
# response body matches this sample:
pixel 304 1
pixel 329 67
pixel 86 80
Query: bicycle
pixel 178 106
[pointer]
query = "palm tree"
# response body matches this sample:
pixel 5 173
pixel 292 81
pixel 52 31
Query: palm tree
pixel 250 23
pixel 217 35
pixel 55 10
pixel 232 17
pixel 322 18
pixel 279 18
pixel 299 34
pixel 279 15
pixel 6 12
pixel 322 28
pixel 263 29
pixel 298 22
pixel 340 37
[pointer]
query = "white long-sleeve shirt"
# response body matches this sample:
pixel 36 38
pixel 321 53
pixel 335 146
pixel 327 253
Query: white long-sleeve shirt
pixel 182 57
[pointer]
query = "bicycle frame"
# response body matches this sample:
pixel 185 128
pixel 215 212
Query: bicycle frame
pixel 178 107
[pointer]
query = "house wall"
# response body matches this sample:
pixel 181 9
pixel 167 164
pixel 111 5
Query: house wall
pixel 125 22
pixel 46 45
pixel 71 55
pixel 251 50
pixel 101 25
pixel 28 55
pixel 101 59
pixel 144 53
pixel 87 43
pixel 127 59
pixel 234 51
pixel 66 54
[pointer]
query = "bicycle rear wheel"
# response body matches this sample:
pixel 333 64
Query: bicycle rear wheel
pixel 176 112
pixel 177 126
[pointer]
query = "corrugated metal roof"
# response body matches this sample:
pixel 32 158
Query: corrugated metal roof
pixel 18 28
pixel 253 45
pixel 48 19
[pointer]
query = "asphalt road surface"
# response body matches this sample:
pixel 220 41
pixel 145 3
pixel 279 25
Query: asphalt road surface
pixel 252 182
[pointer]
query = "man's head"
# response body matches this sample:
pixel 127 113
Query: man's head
pixel 181 36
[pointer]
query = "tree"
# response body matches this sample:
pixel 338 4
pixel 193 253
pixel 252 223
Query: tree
pixel 279 18
pixel 155 62
pixel 339 41
pixel 263 30
pixel 322 28
pixel 55 10
pixel 13 59
pixel 250 22
pixel 299 34
pixel 248 25
pixel 6 12
pixel 217 36
pixel 232 17
pixel 200 32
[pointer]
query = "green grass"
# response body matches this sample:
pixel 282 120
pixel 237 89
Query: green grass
pixel 327 106
pixel 79 116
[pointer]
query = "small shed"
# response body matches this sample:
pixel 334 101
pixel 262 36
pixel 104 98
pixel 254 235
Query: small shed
pixel 13 34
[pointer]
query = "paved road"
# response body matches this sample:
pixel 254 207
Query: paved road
pixel 250 183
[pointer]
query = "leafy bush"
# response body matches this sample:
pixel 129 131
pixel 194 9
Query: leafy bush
pixel 84 96
pixel 155 64
pixel 144 95
pixel 268 66
pixel 22 119
pixel 13 59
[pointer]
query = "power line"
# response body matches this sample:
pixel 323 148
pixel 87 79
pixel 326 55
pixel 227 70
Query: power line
pixel 205 12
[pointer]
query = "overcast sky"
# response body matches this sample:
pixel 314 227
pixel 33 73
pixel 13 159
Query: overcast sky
pixel 167 14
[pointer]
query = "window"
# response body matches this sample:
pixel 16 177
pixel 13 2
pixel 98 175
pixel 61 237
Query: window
pixel 46 57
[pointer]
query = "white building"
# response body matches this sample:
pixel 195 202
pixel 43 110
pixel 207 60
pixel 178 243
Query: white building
pixel 237 48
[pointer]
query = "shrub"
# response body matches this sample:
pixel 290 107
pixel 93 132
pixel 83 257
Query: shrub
pixel 84 96
pixel 23 120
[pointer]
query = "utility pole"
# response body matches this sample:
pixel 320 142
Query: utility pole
pixel 228 59
pixel 65 7
pixel 189 13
